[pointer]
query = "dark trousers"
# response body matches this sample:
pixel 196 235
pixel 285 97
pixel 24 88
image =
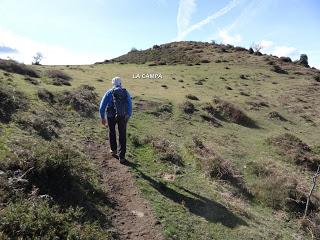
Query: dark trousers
pixel 122 129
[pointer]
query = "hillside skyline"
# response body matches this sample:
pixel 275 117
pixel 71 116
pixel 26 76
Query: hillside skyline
pixel 81 32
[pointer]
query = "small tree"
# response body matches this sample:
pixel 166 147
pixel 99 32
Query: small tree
pixel 134 49
pixel 37 58
pixel 256 47
pixel 304 60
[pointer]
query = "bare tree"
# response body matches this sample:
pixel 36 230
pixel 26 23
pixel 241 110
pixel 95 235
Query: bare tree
pixel 314 182
pixel 37 58
pixel 256 47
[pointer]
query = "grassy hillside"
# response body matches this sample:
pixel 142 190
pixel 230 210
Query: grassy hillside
pixel 224 146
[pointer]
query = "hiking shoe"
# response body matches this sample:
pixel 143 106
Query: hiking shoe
pixel 122 160
pixel 113 153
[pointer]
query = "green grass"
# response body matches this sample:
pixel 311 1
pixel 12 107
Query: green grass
pixel 190 205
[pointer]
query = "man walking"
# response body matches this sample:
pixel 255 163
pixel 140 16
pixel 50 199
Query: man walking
pixel 118 105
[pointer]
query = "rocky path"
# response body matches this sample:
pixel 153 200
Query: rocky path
pixel 132 215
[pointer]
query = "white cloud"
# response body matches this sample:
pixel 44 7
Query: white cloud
pixel 229 39
pixel 317 66
pixel 182 34
pixel 27 48
pixel 284 51
pixel 265 44
pixel 185 11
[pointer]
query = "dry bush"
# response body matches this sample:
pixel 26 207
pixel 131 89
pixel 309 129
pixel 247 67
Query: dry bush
pixel 59 77
pixel 32 80
pixel 216 167
pixel 277 188
pixel 188 107
pixel 277 116
pixel 312 225
pixel 46 96
pixel 212 120
pixel 44 124
pixel 162 110
pixel 257 105
pixel 295 150
pixel 232 113
pixel 15 67
pixel 83 100
pixel 278 69
pixel 192 97
pixel 10 102
pixel 167 151
pixel 285 59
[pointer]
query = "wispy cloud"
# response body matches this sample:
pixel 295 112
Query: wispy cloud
pixel 266 44
pixel 270 47
pixel 187 30
pixel 185 11
pixel 228 38
pixel 6 50
pixel 26 48
pixel 284 51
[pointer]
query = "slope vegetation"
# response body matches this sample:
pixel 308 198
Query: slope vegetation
pixel 223 146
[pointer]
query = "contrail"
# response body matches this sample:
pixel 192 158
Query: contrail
pixel 186 9
pixel 207 20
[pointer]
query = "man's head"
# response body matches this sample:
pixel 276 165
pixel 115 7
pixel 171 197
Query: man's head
pixel 116 82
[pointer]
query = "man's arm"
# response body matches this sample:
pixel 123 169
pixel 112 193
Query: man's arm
pixel 129 105
pixel 104 103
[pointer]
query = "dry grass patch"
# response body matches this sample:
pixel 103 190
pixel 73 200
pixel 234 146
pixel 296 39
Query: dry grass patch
pixel 216 167
pixel 232 113
pixel 19 68
pixel 280 189
pixel 295 150
pixel 59 77
pixel 167 151
pixel 83 100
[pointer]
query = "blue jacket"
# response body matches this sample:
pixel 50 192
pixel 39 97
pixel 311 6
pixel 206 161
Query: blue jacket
pixel 107 101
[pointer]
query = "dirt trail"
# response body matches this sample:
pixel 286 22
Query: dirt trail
pixel 132 215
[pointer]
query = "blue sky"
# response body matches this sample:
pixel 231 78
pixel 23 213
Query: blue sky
pixel 83 31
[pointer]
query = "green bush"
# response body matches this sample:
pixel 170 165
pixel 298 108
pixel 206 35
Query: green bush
pixel 84 100
pixel 15 67
pixel 37 219
pixel 10 102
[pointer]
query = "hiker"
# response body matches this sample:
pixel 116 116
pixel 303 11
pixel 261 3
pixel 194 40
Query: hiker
pixel 118 105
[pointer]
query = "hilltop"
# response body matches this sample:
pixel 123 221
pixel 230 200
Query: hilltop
pixel 223 146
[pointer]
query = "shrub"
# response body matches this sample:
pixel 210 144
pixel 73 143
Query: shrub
pixel 32 80
pixel 285 59
pixel 188 107
pixel 278 69
pixel 210 119
pixel 136 141
pixel 167 151
pixel 43 123
pixel 205 61
pixel 192 97
pixel 312 224
pixel 40 219
pixel 282 191
pixel 15 67
pixel 295 150
pixel 156 47
pixel 251 51
pixel 84 100
pixel 59 77
pixel 232 113
pixel 10 102
pixel 317 78
pixel 277 116
pixel 303 60
pixel 215 167
pixel 46 96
